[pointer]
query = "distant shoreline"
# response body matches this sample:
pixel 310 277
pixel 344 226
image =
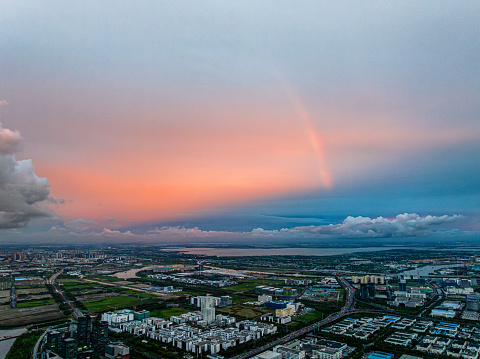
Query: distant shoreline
pixel 292 251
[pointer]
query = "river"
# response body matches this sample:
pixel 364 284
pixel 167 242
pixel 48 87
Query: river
pixel 132 273
pixel 5 345
pixel 424 271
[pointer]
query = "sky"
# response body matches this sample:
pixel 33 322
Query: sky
pixel 240 121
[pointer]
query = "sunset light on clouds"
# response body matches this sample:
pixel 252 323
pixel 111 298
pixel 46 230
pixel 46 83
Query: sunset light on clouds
pixel 239 120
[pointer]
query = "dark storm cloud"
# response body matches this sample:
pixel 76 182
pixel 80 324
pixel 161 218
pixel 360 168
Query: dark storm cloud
pixel 20 188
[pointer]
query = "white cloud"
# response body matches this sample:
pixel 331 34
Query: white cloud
pixel 180 231
pixel 114 233
pixel 403 225
pixel 20 188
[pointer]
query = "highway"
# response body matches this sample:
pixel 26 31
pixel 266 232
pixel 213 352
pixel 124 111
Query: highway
pixel 76 312
pixel 347 309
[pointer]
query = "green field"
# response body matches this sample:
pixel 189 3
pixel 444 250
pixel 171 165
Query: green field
pixel 313 316
pixel 243 311
pixel 107 304
pixel 70 281
pixel 136 293
pixel 36 303
pixel 167 312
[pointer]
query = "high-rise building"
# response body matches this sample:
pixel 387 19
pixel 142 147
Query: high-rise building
pixel 99 336
pixel 208 308
pixel 402 286
pixel 84 326
pixel 54 341
pixel 367 290
pixel 69 348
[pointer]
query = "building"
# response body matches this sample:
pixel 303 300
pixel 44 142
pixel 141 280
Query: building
pixel 140 315
pixel 208 308
pixel 263 298
pixel 69 349
pixel 225 301
pixel 473 302
pixel 269 355
pixel 54 341
pixel 116 351
pixel 118 317
pixel 367 290
pixel 402 286
pixel 442 312
pixel 99 336
pixel 84 327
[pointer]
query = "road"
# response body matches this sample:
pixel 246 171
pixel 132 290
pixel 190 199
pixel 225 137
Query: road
pixel 347 309
pixel 51 281
pixel 37 344
pixel 76 312
pixel 13 298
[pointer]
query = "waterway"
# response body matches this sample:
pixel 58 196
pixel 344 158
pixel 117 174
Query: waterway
pixel 249 252
pixel 132 273
pixel 5 345
pixel 424 271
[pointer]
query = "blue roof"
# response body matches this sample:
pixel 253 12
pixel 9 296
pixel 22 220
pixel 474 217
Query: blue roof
pixel 449 324
pixel 380 355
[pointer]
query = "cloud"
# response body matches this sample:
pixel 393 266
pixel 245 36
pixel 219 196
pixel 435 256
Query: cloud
pixel 111 219
pixel 80 221
pixel 20 188
pixel 403 225
pixel 3 102
pixel 181 231
pixel 10 141
pixel 114 233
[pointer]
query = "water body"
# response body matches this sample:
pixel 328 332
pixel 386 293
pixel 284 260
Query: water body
pixel 132 273
pixel 250 252
pixel 5 345
pixel 424 271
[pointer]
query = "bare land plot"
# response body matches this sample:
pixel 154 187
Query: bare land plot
pixel 34 297
pixel 31 291
pixel 243 311
pixel 23 316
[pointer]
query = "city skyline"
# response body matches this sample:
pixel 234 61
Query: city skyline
pixel 239 122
